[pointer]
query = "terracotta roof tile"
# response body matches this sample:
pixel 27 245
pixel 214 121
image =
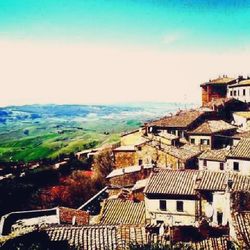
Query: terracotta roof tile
pixel 172 182
pixel 217 181
pixel 241 150
pixel 116 211
pixel 85 237
pixel 102 237
pixel 186 182
pixel 182 153
pixel 244 82
pixel 241 223
pixel 220 80
pixel 211 127
pixel 215 154
pixel 182 119
pixel 211 244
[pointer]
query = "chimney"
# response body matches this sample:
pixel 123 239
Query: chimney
pixel 240 78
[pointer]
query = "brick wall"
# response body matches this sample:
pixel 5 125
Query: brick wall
pixel 67 214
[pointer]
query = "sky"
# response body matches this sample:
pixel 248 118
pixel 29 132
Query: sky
pixel 109 51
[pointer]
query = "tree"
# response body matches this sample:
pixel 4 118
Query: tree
pixel 103 163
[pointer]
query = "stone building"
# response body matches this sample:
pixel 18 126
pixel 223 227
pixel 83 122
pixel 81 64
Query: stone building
pixel 188 197
pixel 216 89
pixel 177 124
pixel 214 160
pixel 240 90
pixel 238 160
pixel 212 134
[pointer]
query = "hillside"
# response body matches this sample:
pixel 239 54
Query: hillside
pixel 33 132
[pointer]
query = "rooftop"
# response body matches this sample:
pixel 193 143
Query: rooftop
pixel 241 150
pixel 125 148
pixel 182 119
pixel 224 80
pixel 221 102
pixel 241 135
pixel 118 211
pixel 211 244
pixel 102 236
pixel 217 181
pixel 182 153
pixel 241 223
pixel 172 182
pixel 140 184
pixel 211 127
pixel 186 182
pixel 242 83
pixel 215 155
pixel 85 237
pixel 128 170
pixel 244 114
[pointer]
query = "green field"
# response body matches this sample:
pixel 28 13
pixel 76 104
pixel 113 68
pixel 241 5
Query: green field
pixel 30 133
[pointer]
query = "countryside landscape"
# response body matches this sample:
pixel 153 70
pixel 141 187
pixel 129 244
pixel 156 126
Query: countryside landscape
pixel 36 132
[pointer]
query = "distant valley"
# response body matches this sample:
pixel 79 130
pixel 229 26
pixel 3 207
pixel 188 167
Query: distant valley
pixel 34 132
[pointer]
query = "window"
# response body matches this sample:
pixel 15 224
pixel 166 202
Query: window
pixel 236 166
pixel 179 206
pixel 140 162
pixel 221 166
pixel 235 93
pixel 204 142
pixel 192 141
pixel 238 92
pixel 231 93
pixel 163 205
pixel 219 217
pixel 204 163
pixel 244 92
pixel 209 197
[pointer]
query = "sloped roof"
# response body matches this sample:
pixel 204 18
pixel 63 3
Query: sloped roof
pixel 211 244
pixel 116 211
pixel 221 102
pixel 102 237
pixel 172 182
pixel 244 114
pixel 241 135
pixel 241 223
pixel 85 237
pixel 182 119
pixel 217 181
pixel 182 153
pixel 215 154
pixel 241 150
pixel 186 182
pixel 211 127
pixel 140 184
pixel 128 170
pixel 220 80
pixel 245 82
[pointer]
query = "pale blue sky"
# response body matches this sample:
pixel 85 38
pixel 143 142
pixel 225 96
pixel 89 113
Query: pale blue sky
pixel 47 44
